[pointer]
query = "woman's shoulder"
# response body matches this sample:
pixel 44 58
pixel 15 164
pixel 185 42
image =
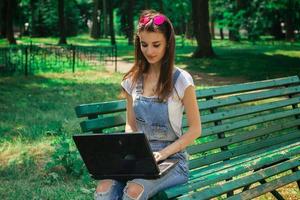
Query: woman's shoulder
pixel 128 84
pixel 183 81
pixel 183 75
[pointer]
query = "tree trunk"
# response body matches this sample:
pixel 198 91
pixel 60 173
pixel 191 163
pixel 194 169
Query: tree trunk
pixel 32 17
pixel 290 22
pixel 130 22
pixel 201 29
pixel 61 21
pixel 234 34
pixel 111 23
pixel 2 19
pixel 212 29
pixel 276 29
pixel 105 18
pixel 189 29
pixel 11 4
pixel 221 34
pixel 95 32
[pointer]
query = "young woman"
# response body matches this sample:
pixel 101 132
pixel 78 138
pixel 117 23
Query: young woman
pixel 156 93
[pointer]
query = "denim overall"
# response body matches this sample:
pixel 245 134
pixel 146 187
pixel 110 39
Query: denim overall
pixel 152 118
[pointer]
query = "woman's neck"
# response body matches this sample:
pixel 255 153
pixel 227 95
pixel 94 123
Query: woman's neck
pixel 154 69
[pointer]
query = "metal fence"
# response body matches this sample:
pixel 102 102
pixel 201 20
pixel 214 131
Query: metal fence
pixel 31 59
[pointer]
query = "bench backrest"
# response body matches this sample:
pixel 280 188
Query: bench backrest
pixel 236 119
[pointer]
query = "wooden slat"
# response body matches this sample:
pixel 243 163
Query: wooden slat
pixel 243 98
pixel 244 111
pixel 218 190
pixel 212 158
pixel 102 123
pixel 248 110
pixel 249 122
pixel 244 87
pixel 274 149
pixel 85 110
pixel 198 148
pixel 204 178
pixel 267 187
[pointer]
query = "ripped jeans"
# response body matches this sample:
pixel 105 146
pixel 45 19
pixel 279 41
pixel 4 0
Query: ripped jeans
pixel 177 175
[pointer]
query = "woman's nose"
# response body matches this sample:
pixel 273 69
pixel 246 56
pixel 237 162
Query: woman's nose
pixel 150 51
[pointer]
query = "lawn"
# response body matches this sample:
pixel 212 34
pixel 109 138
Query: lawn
pixel 38 111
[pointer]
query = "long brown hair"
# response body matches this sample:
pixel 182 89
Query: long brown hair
pixel 141 65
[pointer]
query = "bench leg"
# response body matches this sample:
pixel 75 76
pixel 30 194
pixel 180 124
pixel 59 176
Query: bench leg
pixel 274 192
pixel 295 170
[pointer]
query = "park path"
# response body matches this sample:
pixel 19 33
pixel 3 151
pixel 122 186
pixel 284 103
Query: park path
pixel 122 66
pixel 200 78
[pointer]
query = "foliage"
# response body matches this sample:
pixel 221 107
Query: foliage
pixel 258 17
pixel 66 155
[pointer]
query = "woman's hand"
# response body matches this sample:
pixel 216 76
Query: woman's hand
pixel 159 156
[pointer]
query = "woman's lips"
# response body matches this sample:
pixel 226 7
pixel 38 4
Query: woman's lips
pixel 151 57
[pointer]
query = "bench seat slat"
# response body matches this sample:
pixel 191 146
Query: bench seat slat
pixel 260 159
pixel 243 98
pixel 267 187
pixel 248 122
pixel 85 110
pixel 248 110
pixel 240 160
pixel 244 87
pixel 102 123
pixel 212 158
pixel 198 148
pixel 243 111
pixel 241 182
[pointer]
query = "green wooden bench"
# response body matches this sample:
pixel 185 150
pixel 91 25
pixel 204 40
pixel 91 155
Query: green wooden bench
pixel 250 143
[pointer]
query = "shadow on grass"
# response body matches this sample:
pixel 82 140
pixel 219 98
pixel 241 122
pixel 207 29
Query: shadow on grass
pixel 44 105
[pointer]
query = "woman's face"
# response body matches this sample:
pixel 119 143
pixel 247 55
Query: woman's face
pixel 153 46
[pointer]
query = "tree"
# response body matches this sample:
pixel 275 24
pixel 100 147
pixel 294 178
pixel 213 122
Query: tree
pixel 111 22
pixel 11 5
pixel 201 29
pixel 61 20
pixel 95 32
pixel 2 19
pixel 289 20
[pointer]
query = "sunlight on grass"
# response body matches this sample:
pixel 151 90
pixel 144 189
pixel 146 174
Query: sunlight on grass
pixel 285 53
pixel 12 151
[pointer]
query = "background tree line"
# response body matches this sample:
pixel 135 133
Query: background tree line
pixel 191 18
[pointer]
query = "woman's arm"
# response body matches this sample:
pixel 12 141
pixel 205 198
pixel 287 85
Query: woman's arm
pixel 194 131
pixel 130 117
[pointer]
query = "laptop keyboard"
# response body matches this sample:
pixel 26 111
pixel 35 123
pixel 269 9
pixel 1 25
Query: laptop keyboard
pixel 163 166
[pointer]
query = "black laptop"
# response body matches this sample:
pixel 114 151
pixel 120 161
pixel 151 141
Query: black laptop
pixel 120 156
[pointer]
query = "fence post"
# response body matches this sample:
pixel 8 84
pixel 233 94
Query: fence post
pixel 73 55
pixel 116 61
pixel 26 61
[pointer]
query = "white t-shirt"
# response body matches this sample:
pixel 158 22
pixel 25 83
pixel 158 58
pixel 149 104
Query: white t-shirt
pixel 175 106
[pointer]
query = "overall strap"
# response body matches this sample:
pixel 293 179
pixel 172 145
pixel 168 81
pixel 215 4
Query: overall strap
pixel 175 77
pixel 139 86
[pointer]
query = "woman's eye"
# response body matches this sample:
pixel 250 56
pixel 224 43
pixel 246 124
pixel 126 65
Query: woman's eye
pixel 156 45
pixel 144 45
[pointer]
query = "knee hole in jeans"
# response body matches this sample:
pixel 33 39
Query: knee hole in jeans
pixel 104 186
pixel 134 190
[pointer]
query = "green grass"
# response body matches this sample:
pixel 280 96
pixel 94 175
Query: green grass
pixel 36 110
pixel 245 60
